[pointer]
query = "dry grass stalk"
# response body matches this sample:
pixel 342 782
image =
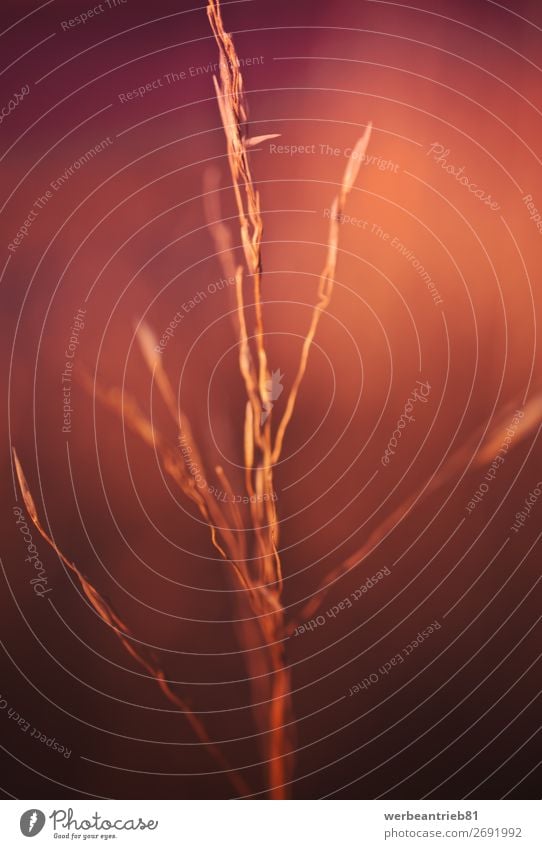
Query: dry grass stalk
pixel 143 657
pixel 232 106
pixel 255 574
pixel 261 449
pixel 325 287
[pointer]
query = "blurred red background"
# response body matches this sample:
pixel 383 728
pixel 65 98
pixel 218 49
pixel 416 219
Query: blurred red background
pixel 126 239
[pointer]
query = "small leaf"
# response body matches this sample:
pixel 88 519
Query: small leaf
pixel 356 158
pixel 148 344
pixel 255 140
pixel 27 498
